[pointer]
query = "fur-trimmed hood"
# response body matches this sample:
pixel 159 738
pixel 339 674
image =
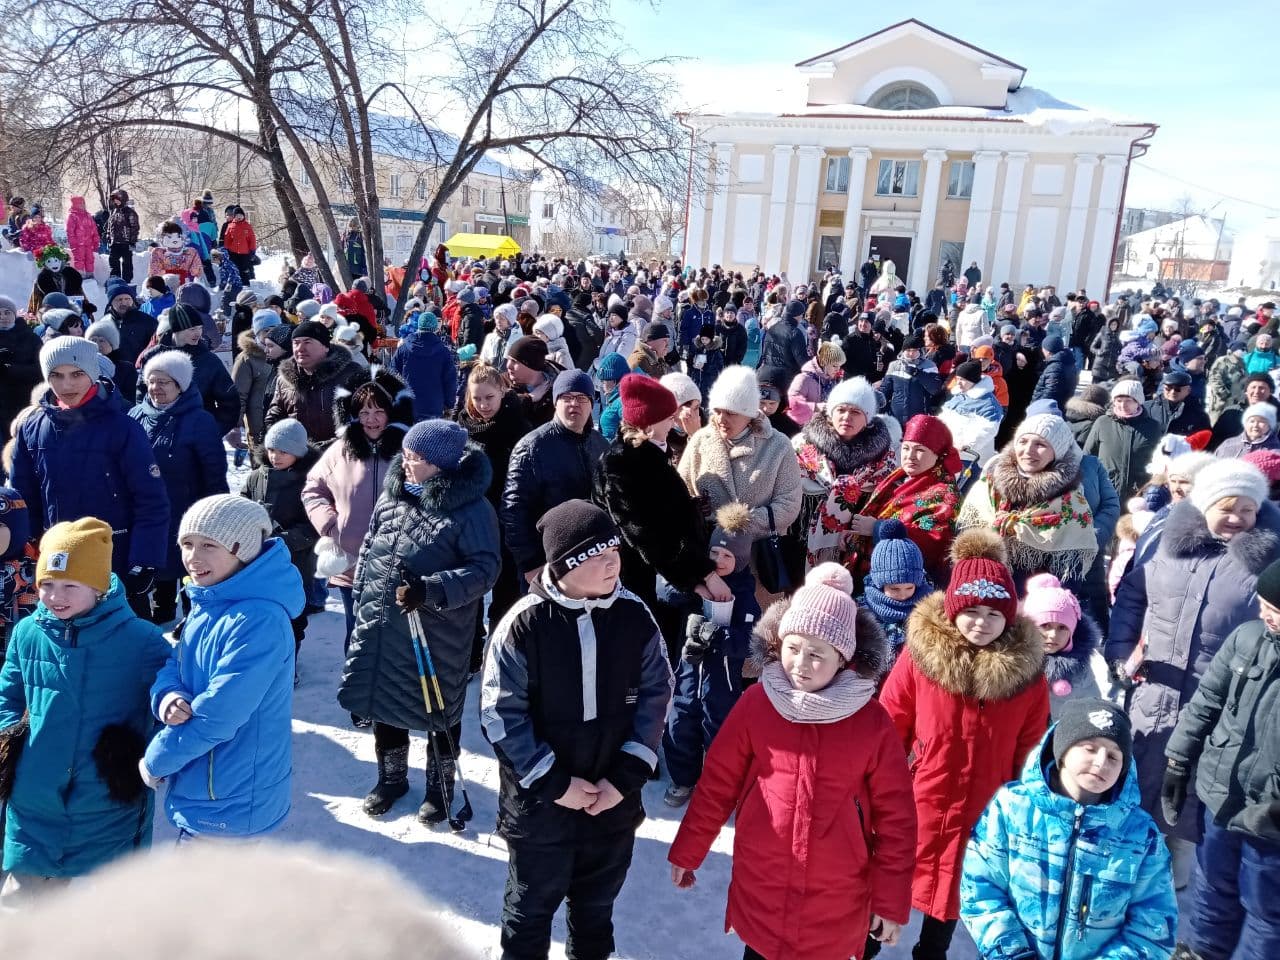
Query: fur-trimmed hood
pixel 996 672
pixel 1003 477
pixel 1187 535
pixel 448 490
pixel 248 344
pixel 346 419
pixel 1069 664
pixel 872 656
pixel 870 444
pixel 1078 409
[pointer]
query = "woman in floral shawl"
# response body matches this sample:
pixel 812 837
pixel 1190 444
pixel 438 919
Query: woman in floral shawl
pixel 1031 495
pixel 921 493
pixel 844 451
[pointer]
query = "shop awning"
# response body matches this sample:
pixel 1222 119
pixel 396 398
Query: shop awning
pixel 481 245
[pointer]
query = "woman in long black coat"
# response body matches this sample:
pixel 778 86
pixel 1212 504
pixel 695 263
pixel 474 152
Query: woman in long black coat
pixel 432 550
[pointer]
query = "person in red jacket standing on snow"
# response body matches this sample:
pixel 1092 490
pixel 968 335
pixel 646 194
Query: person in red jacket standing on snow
pixel 240 242
pixel 811 766
pixel 969 699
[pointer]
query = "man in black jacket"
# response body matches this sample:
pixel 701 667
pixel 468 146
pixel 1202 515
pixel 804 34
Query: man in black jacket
pixel 785 344
pixel 575 694
pixel 1175 409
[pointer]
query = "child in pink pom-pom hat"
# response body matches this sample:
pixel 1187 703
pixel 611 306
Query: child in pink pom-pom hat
pixel 1073 661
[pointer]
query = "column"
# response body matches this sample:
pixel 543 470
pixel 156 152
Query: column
pixel 778 208
pixel 1101 249
pixel 720 202
pixel 922 249
pixel 849 243
pixel 978 230
pixel 1015 165
pixel 805 216
pixel 697 218
pixel 1073 242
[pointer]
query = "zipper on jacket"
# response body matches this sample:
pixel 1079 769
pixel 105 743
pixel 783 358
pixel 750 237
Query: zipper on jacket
pixel 1066 883
pixel 1082 914
pixel 212 795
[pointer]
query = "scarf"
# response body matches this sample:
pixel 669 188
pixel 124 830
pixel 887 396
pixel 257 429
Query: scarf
pixel 413 488
pixel 842 697
pixel 887 610
pixel 1054 534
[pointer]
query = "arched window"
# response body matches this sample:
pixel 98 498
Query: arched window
pixel 903 96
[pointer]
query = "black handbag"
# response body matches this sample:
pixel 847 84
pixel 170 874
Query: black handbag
pixel 779 560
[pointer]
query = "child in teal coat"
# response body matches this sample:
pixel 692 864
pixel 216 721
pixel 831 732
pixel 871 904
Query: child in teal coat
pixel 74 718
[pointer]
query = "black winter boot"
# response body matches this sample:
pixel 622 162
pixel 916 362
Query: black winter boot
pixel 439 799
pixel 393 781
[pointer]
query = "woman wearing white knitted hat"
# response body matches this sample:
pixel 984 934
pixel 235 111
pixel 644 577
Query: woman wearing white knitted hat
pixel 1125 439
pixel 1174 612
pixel 1259 433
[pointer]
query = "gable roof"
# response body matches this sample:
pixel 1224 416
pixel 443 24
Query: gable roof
pixel 911 25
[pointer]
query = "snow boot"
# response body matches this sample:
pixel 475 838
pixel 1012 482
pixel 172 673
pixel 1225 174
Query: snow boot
pixel 439 799
pixel 677 796
pixel 393 781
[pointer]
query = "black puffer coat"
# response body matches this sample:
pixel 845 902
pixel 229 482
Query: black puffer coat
pixel 280 491
pixel 308 397
pixel 447 535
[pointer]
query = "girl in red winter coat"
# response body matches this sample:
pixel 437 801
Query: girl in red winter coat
pixel 969 699
pixel 809 764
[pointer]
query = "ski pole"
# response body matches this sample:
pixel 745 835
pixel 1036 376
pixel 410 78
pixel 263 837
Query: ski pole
pixel 466 812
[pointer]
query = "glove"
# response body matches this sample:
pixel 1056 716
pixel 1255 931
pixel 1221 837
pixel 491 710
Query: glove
pixel 139 580
pixel 699 632
pixel 1173 792
pixel 1118 669
pixel 411 594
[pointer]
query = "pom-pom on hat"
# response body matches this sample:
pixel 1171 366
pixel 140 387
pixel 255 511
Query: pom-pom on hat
pixel 174 364
pixel 69 351
pixel 288 436
pixel 736 390
pixel 78 550
pixel 1048 602
pixel 237 524
pixel 645 401
pixel 1268 461
pixel 439 442
pixel 854 392
pixel 980 575
pixel 732 533
pixel 1053 429
pixel 895 558
pixel 1228 478
pixel 824 609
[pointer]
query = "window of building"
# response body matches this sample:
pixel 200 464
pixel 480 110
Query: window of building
pixel 466 195
pixel 199 170
pixel 484 198
pixel 898 178
pixel 548 211
pixel 304 178
pixel 960 182
pixel 344 181
pixel 422 189
pixel 838 175
pixel 124 163
pixel 395 185
pixel 903 96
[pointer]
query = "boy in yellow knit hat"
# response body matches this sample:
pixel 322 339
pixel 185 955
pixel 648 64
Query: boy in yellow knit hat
pixel 74 718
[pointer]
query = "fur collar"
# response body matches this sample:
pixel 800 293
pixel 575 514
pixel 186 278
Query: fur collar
pixel 872 655
pixel 359 447
pixel 448 490
pixel 1003 477
pixel 249 345
pixel 346 422
pixel 871 444
pixel 1068 664
pixel 330 368
pixel 997 672
pixel 1187 535
pixel 1079 409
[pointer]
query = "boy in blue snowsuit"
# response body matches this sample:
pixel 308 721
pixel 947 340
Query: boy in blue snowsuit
pixel 709 675
pixel 226 695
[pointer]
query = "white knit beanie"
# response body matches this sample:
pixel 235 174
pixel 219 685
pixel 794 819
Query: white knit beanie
pixel 174 364
pixel 1228 478
pixel 682 386
pixel 1189 464
pixel 549 326
pixel 238 524
pixel 106 329
pixel 1052 429
pixel 1264 410
pixel 854 392
pixel 736 390
pixel 1127 388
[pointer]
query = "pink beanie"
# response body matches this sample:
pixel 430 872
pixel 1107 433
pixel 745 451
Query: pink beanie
pixel 1048 602
pixel 824 608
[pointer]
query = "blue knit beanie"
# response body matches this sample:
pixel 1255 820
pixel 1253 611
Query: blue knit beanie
pixel 895 559
pixel 613 367
pixel 428 322
pixel 437 441
pixel 572 381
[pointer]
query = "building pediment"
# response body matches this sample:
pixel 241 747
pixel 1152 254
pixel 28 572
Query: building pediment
pixel 907 66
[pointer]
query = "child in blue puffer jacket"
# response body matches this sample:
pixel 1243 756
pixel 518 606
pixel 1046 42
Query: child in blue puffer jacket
pixel 226 694
pixel 1065 863
pixel 73 718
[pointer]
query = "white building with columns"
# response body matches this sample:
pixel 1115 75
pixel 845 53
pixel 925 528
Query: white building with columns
pixel 917 147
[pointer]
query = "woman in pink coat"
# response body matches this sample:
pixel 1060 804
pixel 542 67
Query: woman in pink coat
pixel 82 237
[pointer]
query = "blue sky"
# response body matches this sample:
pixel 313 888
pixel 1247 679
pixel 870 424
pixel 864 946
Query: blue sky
pixel 1200 74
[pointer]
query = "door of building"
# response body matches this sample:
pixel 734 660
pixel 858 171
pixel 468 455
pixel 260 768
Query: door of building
pixel 897 249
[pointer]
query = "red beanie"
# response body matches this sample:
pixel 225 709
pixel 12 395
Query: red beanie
pixel 980 575
pixel 645 401
pixel 933 433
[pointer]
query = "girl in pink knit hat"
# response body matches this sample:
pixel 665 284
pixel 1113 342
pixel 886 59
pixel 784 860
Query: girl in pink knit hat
pixel 809 764
pixel 1073 660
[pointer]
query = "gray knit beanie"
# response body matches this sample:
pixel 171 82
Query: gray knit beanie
pixel 73 351
pixel 288 436
pixel 307 309
pixel 174 364
pixel 238 524
pixel 106 329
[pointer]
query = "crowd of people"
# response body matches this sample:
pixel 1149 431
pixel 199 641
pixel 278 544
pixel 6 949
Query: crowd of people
pixel 941 623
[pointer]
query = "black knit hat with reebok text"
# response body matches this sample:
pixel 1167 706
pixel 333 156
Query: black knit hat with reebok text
pixel 574 532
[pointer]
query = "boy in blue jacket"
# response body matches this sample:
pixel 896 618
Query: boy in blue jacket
pixel 74 719
pixel 1065 863
pixel 226 694
pixel 709 674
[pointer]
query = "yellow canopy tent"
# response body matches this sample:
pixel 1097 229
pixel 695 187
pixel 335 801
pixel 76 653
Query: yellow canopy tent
pixel 481 245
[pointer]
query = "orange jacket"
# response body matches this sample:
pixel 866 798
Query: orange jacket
pixel 240 237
